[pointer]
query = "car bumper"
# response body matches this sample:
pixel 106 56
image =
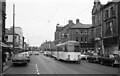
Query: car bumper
pixel 19 61
pixel 117 63
pixel 73 59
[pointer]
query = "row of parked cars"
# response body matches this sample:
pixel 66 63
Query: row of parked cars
pixel 23 57
pixel 112 60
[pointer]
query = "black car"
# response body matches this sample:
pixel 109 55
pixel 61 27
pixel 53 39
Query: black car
pixel 112 61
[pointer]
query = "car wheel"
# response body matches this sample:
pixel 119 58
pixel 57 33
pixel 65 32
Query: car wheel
pixel 14 64
pixel 112 64
pixel 78 62
pixel 25 64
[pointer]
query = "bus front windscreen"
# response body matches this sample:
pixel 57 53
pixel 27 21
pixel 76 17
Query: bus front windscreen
pixel 70 48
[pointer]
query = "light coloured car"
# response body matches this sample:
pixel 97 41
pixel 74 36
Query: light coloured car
pixel 26 54
pixel 19 59
pixel 83 56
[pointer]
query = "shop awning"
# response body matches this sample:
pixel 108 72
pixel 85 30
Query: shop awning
pixel 4 45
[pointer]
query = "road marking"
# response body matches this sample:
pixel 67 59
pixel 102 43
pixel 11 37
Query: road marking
pixel 37 69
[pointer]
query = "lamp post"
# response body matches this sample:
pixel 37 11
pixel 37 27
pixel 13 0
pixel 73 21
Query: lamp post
pixel 14 28
pixel 1 64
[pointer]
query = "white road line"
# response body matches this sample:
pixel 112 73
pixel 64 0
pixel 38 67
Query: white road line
pixel 38 73
pixel 37 69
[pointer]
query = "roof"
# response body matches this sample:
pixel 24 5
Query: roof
pixel 68 42
pixel 10 32
pixel 4 45
pixel 80 25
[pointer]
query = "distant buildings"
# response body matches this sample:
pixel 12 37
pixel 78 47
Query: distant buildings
pixel 48 45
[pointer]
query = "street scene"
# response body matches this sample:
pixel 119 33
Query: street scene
pixel 37 37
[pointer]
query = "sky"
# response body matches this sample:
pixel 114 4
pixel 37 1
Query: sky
pixel 38 18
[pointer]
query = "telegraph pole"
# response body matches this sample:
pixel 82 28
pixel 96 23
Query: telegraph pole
pixel 14 28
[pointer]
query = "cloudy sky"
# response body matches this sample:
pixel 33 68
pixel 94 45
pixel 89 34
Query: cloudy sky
pixel 38 18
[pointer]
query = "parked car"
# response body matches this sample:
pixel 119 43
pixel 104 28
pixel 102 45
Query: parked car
pixel 83 57
pixel 19 59
pixel 36 53
pixel 26 54
pixel 45 53
pixel 93 58
pixel 107 60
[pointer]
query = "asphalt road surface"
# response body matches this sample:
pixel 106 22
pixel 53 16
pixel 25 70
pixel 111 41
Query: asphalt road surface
pixel 40 64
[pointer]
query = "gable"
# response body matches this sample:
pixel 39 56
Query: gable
pixel 96 8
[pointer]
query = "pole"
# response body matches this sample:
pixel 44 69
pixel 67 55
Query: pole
pixel 1 63
pixel 14 28
pixel 103 50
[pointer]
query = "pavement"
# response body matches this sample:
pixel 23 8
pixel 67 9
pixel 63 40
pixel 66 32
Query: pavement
pixel 7 65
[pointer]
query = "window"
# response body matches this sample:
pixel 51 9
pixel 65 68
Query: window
pixel 81 31
pixel 106 14
pixel 77 32
pixel 15 37
pixel 111 27
pixel 85 39
pixel 112 11
pixel 76 48
pixel 70 48
pixel 85 31
pixel 76 38
pixel 6 38
pixel 81 39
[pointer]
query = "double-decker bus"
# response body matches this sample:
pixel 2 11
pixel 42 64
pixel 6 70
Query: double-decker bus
pixel 68 51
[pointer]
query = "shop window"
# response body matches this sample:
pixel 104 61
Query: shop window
pixel 6 38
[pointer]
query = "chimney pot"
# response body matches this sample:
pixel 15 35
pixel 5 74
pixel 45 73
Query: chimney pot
pixel 77 21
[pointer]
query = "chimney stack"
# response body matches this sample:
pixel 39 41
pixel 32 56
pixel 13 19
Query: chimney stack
pixel 70 22
pixel 77 21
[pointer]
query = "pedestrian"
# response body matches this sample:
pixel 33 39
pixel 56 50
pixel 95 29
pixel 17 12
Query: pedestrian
pixel 4 58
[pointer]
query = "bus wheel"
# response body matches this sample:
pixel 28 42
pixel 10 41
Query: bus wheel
pixel 78 62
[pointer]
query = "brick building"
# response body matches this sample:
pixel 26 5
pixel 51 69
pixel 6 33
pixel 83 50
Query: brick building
pixel 97 25
pixel 110 26
pixel 75 31
pixel 81 33
pixel 61 33
pixel 105 21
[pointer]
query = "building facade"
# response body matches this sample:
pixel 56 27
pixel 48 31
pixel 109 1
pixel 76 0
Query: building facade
pixel 97 26
pixel 3 13
pixel 105 21
pixel 9 39
pixel 61 33
pixel 19 39
pixel 19 31
pixel 110 26
pixel 81 33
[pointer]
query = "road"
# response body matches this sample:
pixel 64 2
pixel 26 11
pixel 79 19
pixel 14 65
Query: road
pixel 41 64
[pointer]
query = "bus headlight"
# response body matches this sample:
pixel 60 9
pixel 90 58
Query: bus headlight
pixel 78 56
pixel 68 57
